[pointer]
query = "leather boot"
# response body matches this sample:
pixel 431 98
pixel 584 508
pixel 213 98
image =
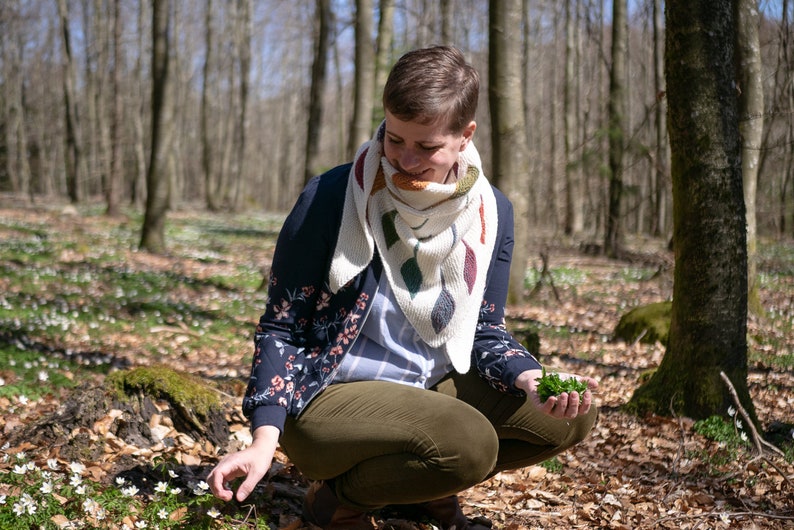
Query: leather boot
pixel 448 513
pixel 322 508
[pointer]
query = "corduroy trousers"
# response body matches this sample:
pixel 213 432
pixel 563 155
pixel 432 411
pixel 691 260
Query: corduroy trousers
pixel 386 443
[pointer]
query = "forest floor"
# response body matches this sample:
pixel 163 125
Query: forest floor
pixel 78 300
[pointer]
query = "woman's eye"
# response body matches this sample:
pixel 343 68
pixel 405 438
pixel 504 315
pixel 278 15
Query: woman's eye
pixel 394 141
pixel 431 147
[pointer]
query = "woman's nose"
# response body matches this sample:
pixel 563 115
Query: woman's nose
pixel 409 159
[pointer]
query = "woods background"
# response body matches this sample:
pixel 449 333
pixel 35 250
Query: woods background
pixel 76 82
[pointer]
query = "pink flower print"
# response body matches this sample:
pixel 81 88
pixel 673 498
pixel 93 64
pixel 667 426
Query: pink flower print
pixel 348 335
pixel 282 311
pixel 323 301
pixel 308 290
pixel 290 387
pixel 277 383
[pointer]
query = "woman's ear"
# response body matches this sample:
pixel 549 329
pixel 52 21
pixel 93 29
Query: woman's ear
pixel 468 134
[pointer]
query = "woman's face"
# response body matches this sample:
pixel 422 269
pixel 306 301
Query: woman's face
pixel 425 152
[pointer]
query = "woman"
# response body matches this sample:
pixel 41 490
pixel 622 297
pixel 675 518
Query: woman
pixel 382 365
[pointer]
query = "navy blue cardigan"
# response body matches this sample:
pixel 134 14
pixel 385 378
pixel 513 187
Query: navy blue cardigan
pixel 306 330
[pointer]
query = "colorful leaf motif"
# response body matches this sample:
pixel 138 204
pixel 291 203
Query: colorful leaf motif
pixel 389 230
pixel 469 267
pixel 443 309
pixel 412 276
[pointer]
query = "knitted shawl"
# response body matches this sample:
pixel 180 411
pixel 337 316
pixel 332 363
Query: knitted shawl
pixel 435 242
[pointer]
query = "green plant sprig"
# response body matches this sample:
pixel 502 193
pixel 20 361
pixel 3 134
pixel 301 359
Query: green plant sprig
pixel 553 385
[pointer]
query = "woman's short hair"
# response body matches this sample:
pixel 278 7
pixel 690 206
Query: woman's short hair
pixel 432 84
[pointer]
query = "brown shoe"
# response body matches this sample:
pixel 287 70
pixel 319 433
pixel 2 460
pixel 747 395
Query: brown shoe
pixel 448 513
pixel 322 508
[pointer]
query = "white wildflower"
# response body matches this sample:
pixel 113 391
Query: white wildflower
pixel 129 491
pixel 21 455
pixel 161 487
pixel 162 514
pixel 46 487
pixel 172 473
pixel 725 518
pixel 739 424
pixel 75 480
pixel 743 436
pixel 2 382
pixel 3 499
pixel 20 469
pixel 43 375
pixel 81 489
pixel 176 491
pixel 140 524
pixel 23 400
pixel 52 464
pixel 90 506
pixel 120 481
pixel 77 467
pixel 213 512
pixel 731 411
pixel 18 509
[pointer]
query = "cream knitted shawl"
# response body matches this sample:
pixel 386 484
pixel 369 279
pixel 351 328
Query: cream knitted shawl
pixel 435 242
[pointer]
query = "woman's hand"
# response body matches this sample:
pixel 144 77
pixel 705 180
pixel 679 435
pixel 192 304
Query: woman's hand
pixel 253 463
pixel 564 405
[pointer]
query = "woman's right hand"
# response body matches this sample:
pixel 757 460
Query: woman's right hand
pixel 253 463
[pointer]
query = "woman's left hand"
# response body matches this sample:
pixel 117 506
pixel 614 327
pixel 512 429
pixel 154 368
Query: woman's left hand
pixel 564 405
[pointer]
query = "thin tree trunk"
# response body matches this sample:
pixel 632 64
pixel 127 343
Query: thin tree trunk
pixel 157 179
pixel 751 128
pixel 617 128
pixel 73 153
pixel 574 221
pixel 112 188
pixel 383 55
pixel 244 51
pixel 659 222
pixel 361 126
pixel 323 31
pixel 210 191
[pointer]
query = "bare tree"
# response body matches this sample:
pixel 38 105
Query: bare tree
pixel 708 332
pixel 510 162
pixel 574 200
pixel 157 178
pixel 751 128
pixel 617 128
pixel 361 125
pixel 323 17
pixel 661 181
pixel 383 55
pixel 73 159
pixel 114 178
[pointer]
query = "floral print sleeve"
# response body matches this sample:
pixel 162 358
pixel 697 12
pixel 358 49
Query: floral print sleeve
pixel 282 338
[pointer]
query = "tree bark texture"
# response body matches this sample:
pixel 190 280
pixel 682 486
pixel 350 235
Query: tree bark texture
pixel 157 179
pixel 751 127
pixel 361 125
pixel 709 315
pixel 617 128
pixel 323 16
pixel 508 140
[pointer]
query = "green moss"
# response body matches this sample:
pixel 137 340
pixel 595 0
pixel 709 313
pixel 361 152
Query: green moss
pixel 649 324
pixel 162 382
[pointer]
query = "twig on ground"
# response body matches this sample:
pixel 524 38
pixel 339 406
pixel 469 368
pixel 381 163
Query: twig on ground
pixel 761 445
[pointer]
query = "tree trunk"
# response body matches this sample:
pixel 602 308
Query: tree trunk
pixel 73 146
pixel 510 163
pixel 751 129
pixel 617 129
pixel 210 190
pixel 361 126
pixel 323 16
pixel 383 56
pixel 115 177
pixel 245 12
pixel 709 315
pixel 659 223
pixel 157 181
pixel 574 221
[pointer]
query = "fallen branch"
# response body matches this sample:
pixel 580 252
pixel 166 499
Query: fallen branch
pixel 761 445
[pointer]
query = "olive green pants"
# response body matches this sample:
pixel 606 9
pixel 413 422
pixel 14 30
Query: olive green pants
pixel 386 443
